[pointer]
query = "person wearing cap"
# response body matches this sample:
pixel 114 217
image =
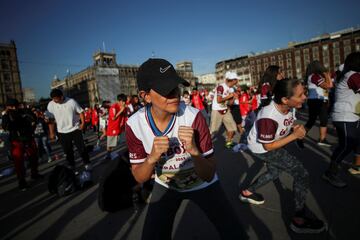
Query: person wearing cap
pixel 220 113
pixel 172 139
pixel 66 112
pixel 21 126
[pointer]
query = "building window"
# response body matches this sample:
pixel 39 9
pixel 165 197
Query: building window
pixel 259 68
pixel 315 52
pixel 347 42
pixel 288 55
pixel 266 65
pixel 306 59
pixel 297 53
pixel 289 74
pixel 258 61
pixel 326 62
pixel 273 59
pixel 325 47
pixel 5 65
pixel 281 63
pixel 347 50
pixel 357 44
pixel 337 60
pixel 335 44
pixel 288 63
pixel 280 57
pixel 306 51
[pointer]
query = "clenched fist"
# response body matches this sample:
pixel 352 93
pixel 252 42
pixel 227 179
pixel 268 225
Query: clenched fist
pixel 186 136
pixel 299 131
pixel 160 146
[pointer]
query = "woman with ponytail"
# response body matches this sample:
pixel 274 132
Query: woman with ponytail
pixel 274 128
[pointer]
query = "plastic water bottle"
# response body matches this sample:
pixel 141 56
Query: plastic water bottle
pixel 6 172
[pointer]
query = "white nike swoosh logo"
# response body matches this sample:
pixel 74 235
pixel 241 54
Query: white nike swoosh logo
pixel 162 70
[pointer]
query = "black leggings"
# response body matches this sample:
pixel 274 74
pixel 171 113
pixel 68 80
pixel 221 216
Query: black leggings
pixel 349 140
pixel 317 107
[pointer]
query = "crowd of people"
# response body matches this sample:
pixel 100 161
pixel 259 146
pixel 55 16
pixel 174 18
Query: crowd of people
pixel 170 136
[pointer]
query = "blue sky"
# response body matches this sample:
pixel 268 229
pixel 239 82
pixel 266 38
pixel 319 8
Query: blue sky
pixel 53 36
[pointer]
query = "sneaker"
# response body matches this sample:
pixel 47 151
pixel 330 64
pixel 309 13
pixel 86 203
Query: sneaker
pixel 324 143
pixel 254 198
pixel 37 176
pixel 229 144
pixel 88 167
pixel 354 170
pixel 300 144
pixel 308 225
pixel 23 186
pixel 334 180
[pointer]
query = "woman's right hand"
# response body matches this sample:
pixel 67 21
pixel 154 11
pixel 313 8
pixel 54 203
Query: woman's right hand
pixel 299 131
pixel 160 146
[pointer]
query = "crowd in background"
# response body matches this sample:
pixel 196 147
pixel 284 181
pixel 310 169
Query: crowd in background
pixel 240 108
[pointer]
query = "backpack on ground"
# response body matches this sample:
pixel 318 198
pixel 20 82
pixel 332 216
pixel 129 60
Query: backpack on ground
pixel 62 181
pixel 116 184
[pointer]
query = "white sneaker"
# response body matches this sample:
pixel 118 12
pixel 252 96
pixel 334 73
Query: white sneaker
pixel 88 167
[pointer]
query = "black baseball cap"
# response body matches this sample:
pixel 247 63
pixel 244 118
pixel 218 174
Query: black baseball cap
pixel 159 75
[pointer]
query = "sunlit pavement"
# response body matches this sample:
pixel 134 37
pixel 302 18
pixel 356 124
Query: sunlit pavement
pixel 35 214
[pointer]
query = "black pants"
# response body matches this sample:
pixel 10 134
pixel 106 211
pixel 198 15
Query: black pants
pixel 349 140
pixel 66 140
pixel 317 108
pixel 164 204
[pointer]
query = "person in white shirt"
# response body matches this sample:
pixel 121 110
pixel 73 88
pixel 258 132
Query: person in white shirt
pixel 173 140
pixel 319 82
pixel 67 113
pixel 273 129
pixel 346 119
pixel 220 112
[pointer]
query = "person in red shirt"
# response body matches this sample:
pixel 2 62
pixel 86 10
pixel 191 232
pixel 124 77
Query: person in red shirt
pixel 197 101
pixel 116 123
pixel 244 103
pixel 95 117
pixel 87 118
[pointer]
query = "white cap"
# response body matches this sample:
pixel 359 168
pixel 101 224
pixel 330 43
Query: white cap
pixel 231 75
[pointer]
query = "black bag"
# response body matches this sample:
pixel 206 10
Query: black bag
pixel 116 183
pixel 62 181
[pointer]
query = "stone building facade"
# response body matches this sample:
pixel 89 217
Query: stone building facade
pixel 105 79
pixel 10 82
pixel 330 49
